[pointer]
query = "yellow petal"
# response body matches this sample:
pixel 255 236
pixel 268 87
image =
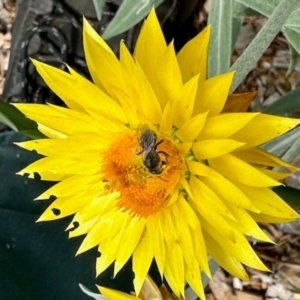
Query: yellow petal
pixel 61 83
pixel 191 129
pixel 158 245
pixel 69 186
pixel 129 73
pixel 240 249
pixel 269 127
pixel 228 191
pixel 129 240
pixel 183 106
pixel 273 174
pixel 239 171
pixel 66 206
pixel 141 260
pixel 195 230
pixel 166 121
pixel 174 267
pixel 226 261
pixel 194 279
pixel 269 203
pixel 212 148
pixel 96 99
pixel 246 224
pixel 151 106
pixel 150 46
pixel 201 169
pixel 192 58
pixel 102 63
pixel 114 294
pixel 212 94
pixel 205 202
pixel 224 125
pixel 263 218
pixel 261 157
pixel 168 84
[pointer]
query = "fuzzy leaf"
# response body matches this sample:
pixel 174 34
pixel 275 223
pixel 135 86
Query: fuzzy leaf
pixel 128 15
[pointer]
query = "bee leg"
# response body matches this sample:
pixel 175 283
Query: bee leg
pixel 138 152
pixel 158 143
pixel 163 152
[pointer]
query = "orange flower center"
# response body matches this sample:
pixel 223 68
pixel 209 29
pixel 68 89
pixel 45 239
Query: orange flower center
pixel 145 177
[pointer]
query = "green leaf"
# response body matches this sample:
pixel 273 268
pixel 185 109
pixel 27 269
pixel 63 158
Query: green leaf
pixel 294 59
pixel 280 145
pixel 293 20
pixel 99 5
pixel 242 10
pixel 220 18
pixel 264 7
pixel 290 195
pixel 128 15
pixel 293 37
pixel 245 63
pixel 14 119
pixel 288 103
pixel 292 152
pixel 236 27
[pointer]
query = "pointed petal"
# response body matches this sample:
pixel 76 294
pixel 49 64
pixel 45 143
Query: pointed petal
pixel 150 46
pixel 269 203
pixel 114 294
pixel 168 84
pixel 261 157
pixel 240 249
pixel 212 148
pixel 225 125
pixel 69 186
pixel 196 233
pixel 269 127
pixel 212 94
pixel 198 168
pixel 246 224
pixel 207 202
pixel 191 129
pixel 239 171
pixel 61 83
pixel 129 240
pixel 228 191
pixel 192 58
pixel 151 106
pixel 166 121
pixel 102 63
pixel 141 260
pixel 96 99
pixel 224 259
pixel 158 244
pixel 194 279
pixel 182 107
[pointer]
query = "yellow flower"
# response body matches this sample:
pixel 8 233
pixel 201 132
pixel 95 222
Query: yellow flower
pixel 151 166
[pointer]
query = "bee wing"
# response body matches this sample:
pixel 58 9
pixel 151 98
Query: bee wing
pixel 146 137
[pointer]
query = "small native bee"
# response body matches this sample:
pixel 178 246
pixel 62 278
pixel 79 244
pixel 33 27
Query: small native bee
pixel 151 158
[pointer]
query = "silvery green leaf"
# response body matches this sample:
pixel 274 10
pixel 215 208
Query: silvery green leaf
pixel 220 18
pixel 280 145
pixel 245 63
pixel 129 14
pixel 264 7
pixel 99 5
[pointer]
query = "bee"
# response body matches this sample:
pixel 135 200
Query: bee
pixel 151 159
